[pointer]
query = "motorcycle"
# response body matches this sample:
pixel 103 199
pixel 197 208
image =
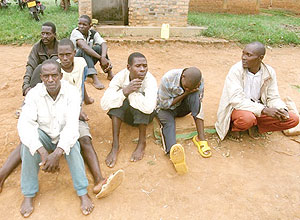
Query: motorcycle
pixel 35 7
pixel 3 4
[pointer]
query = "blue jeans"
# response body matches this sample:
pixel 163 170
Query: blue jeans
pixel 91 61
pixel 30 167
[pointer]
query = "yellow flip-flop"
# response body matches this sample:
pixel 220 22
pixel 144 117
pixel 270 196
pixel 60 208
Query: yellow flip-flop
pixel 177 157
pixel 203 147
pixel 113 181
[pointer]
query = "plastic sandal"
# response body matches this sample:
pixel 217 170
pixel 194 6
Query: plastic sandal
pixel 113 181
pixel 203 147
pixel 177 157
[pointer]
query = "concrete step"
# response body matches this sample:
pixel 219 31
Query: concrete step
pixel 147 31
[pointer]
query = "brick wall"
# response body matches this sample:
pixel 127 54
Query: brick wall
pixel 154 12
pixel 230 6
pixel 292 5
pixel 85 7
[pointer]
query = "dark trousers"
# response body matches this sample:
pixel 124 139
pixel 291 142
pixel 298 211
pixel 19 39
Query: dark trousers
pixel 190 104
pixel 131 115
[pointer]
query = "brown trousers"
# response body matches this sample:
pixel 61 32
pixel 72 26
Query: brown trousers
pixel 243 120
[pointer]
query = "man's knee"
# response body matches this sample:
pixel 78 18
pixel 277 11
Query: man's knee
pixel 97 48
pixel 166 119
pixel 85 143
pixel 245 120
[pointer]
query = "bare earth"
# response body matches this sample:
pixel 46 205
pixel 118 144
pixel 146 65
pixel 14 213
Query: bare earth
pixel 257 179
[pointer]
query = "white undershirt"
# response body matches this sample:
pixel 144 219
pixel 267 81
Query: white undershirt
pixel 252 86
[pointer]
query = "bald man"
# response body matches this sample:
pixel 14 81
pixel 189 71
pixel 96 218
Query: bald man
pixel 181 93
pixel 250 99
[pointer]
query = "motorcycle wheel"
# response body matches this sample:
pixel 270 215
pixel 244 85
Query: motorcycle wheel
pixel 36 16
pixel 20 3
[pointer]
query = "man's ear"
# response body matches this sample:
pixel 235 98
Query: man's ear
pixel 128 67
pixel 60 76
pixel 261 57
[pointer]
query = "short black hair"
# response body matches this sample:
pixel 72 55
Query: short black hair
pixel 134 55
pixel 87 18
pixel 51 61
pixel 260 48
pixel 193 77
pixel 66 42
pixel 50 24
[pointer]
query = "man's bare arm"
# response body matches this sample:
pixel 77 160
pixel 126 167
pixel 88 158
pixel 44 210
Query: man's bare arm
pixel 86 48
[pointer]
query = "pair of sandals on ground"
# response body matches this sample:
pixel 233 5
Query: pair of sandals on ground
pixel 177 154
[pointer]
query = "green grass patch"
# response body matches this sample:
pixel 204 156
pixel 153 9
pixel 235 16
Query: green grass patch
pixel 18 27
pixel 296 87
pixel 272 27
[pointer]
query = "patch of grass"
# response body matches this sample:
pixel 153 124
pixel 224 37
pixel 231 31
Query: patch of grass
pixel 272 28
pixel 18 27
pixel 296 87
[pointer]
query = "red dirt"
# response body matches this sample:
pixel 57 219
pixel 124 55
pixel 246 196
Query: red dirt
pixel 256 179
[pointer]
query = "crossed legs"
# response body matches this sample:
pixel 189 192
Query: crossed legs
pixel 244 120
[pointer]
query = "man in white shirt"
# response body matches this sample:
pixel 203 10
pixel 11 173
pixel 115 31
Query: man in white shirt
pixel 250 98
pixel 73 69
pixel 93 48
pixel 130 97
pixel 48 128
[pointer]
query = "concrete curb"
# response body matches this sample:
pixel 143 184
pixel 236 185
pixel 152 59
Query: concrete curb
pixel 146 40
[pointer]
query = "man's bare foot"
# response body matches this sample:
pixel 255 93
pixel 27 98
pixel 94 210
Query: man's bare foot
pixel 254 133
pixel 27 207
pixel 86 205
pixel 98 186
pixel 111 158
pixel 88 100
pixel 83 116
pixel 96 83
pixel 234 136
pixel 139 152
pixel 110 75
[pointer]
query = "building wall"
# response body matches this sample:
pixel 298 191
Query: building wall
pixel 230 6
pixel 85 7
pixel 154 12
pixel 292 5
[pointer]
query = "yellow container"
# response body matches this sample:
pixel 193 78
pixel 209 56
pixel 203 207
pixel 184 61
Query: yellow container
pixel 165 31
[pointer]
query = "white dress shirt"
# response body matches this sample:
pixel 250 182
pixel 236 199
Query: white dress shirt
pixel 57 118
pixel 143 100
pixel 252 86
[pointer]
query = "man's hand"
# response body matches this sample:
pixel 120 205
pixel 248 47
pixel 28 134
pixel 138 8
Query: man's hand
pixel 26 91
pixel 133 86
pixel 187 91
pixel 105 64
pixel 279 114
pixel 51 162
pixel 44 154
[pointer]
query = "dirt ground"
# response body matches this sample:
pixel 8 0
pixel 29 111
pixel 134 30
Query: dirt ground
pixel 256 179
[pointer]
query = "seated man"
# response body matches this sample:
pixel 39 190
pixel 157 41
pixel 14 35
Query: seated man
pixel 92 47
pixel 48 128
pixel 250 98
pixel 130 97
pixel 180 93
pixel 43 50
pixel 73 71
